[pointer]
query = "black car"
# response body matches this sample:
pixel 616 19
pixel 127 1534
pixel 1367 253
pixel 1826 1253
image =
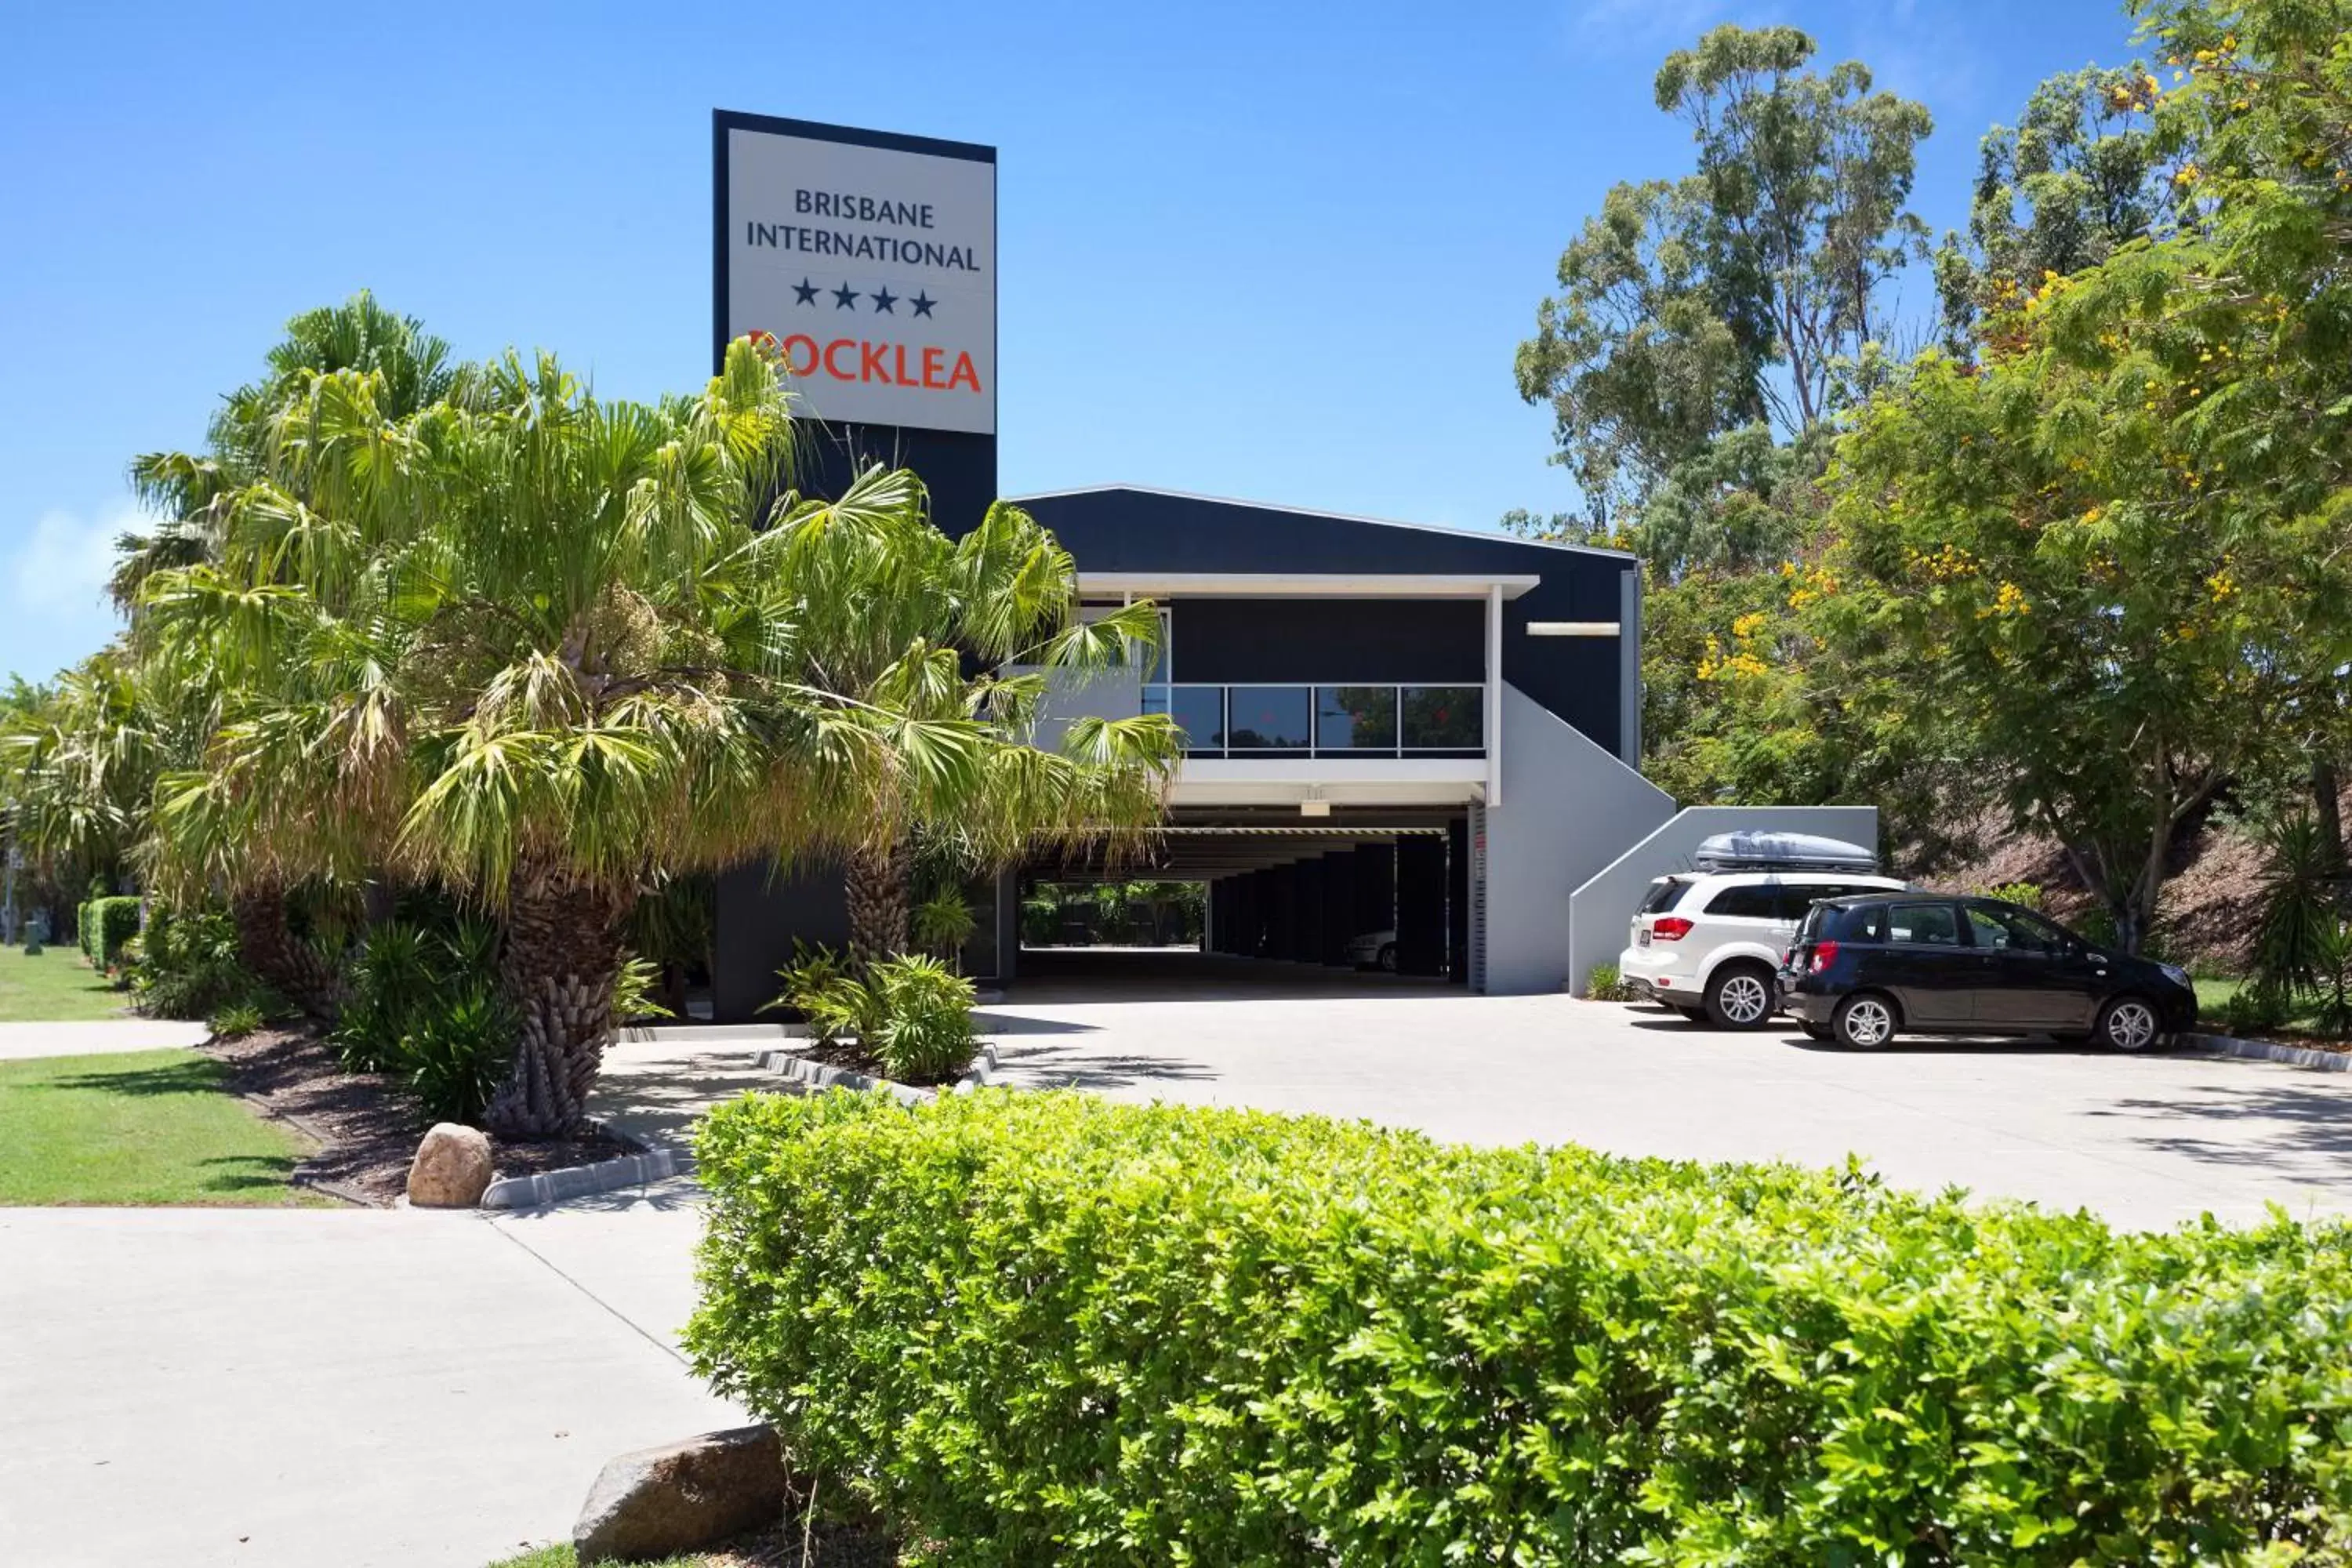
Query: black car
pixel 1867 969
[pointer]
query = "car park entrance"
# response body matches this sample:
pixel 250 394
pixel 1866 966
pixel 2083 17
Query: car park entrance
pixel 1338 906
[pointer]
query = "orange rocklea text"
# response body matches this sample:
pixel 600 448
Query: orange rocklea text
pixel 888 364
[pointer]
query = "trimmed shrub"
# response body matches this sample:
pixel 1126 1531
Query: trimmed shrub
pixel 1044 1328
pixel 106 924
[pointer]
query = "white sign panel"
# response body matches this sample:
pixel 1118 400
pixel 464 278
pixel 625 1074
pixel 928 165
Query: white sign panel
pixel 869 264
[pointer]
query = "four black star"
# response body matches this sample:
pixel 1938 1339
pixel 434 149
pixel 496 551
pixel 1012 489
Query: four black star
pixel 845 298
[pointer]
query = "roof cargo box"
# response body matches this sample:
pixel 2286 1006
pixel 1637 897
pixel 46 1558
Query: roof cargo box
pixel 1757 851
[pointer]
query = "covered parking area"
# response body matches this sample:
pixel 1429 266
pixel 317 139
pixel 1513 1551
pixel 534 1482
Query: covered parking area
pixel 1286 902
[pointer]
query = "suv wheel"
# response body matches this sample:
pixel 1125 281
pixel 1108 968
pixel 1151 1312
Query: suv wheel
pixel 2128 1024
pixel 1740 996
pixel 1864 1022
pixel 1387 960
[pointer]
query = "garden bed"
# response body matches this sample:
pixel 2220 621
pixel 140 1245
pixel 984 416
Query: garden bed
pixel 366 1127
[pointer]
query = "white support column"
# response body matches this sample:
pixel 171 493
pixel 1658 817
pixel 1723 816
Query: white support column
pixel 1494 695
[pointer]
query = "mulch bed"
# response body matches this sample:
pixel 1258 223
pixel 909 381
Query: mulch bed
pixel 366 1126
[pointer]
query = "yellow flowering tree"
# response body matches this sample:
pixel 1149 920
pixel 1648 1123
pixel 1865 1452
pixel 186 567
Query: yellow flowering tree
pixel 2045 579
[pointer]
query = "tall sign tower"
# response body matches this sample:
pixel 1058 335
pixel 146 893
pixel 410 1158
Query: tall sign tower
pixel 865 263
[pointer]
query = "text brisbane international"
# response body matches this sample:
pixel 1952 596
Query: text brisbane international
pixel 885 247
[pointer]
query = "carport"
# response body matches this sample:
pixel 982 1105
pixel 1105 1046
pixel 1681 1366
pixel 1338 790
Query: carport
pixel 1286 901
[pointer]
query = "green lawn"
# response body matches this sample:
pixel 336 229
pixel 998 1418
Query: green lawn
pixel 145 1127
pixel 57 987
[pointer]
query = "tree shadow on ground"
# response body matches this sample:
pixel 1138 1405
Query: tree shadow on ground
pixel 1073 1066
pixel 260 1171
pixel 2309 1128
pixel 194 1076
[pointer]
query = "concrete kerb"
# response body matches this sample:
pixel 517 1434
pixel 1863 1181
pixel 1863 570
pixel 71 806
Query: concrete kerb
pixel 796 1068
pixel 660 1163
pixel 2268 1051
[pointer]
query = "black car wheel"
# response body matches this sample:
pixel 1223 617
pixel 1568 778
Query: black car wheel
pixel 1864 1022
pixel 1740 996
pixel 1387 960
pixel 2129 1024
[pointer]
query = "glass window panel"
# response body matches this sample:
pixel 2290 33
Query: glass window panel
pixel 1934 925
pixel 1200 712
pixel 1270 717
pixel 1447 718
pixel 1356 717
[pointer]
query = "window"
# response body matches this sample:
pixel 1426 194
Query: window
pixel 2005 931
pixel 1270 719
pixel 1661 896
pixel 1199 711
pixel 1867 923
pixel 1443 717
pixel 1355 718
pixel 1799 897
pixel 1929 924
pixel 1753 901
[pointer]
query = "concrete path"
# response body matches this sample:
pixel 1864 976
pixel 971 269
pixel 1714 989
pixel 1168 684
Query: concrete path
pixel 287 1389
pixel 104 1037
pixel 2144 1141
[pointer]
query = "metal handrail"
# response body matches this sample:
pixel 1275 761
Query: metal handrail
pixel 1314 746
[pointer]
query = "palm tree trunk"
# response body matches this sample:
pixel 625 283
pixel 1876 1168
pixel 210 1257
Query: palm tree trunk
pixel 562 954
pixel 881 889
pixel 267 948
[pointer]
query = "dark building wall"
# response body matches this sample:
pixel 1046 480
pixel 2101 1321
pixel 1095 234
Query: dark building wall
pixel 756 915
pixel 1579 679
pixel 1327 641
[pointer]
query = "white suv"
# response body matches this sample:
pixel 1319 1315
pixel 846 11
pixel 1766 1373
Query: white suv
pixel 1711 943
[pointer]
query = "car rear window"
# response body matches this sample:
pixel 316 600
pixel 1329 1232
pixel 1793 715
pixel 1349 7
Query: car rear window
pixel 1661 896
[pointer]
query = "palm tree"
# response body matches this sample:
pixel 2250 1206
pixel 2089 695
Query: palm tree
pixel 538 647
pixel 981 628
pixel 206 497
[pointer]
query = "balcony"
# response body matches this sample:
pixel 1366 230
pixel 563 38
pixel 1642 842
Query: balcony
pixel 1264 722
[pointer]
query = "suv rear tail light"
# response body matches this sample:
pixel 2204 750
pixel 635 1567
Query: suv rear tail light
pixel 1671 928
pixel 1824 954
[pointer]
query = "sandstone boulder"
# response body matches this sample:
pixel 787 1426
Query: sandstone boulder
pixel 657 1502
pixel 452 1168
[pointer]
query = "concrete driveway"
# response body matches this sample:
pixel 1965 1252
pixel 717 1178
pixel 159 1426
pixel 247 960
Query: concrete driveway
pixel 291 1388
pixel 2145 1141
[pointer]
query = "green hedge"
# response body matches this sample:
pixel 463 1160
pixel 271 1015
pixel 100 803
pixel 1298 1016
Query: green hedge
pixel 106 924
pixel 1047 1329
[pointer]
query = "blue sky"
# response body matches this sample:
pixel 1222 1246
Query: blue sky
pixel 1275 251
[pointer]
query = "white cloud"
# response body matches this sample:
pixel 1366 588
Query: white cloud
pixel 58 570
pixel 53 609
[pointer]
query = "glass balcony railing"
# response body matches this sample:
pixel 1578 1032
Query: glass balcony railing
pixel 1250 720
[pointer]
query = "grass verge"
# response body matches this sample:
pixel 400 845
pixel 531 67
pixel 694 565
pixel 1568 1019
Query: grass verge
pixel 57 987
pixel 141 1128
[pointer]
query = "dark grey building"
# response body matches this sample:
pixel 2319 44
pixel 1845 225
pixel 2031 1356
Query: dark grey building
pixel 1394 728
